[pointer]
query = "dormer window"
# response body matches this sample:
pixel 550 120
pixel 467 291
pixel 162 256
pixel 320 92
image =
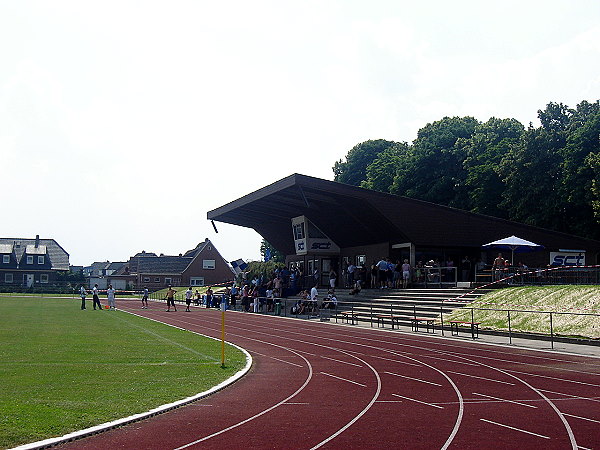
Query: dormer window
pixel 41 259
pixel 29 259
pixel 5 259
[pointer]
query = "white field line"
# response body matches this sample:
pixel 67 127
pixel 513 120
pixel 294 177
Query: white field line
pixel 480 378
pixel 343 379
pixel 414 379
pixel 516 429
pixel 505 400
pixel 418 401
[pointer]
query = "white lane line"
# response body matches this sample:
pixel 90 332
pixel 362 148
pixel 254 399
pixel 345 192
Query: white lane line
pixel 516 429
pixel 343 379
pixel 362 413
pixel 505 400
pixel 264 411
pixel 418 401
pixel 389 359
pixel 340 361
pixel 296 403
pixel 575 397
pixel 552 378
pixel 277 359
pixel 415 379
pixel 582 418
pixel 450 360
pixel 388 401
pixel 583 448
pixel 480 378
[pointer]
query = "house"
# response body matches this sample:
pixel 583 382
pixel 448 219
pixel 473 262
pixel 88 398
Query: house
pixel 201 266
pixel 31 262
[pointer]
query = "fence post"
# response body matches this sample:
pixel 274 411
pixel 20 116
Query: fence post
pixel 509 330
pixel 371 313
pixel 551 332
pixel 472 323
pixel 442 316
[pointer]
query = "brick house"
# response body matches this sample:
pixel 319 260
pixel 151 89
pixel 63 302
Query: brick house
pixel 31 262
pixel 200 266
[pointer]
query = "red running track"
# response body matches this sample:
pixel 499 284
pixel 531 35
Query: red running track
pixel 320 385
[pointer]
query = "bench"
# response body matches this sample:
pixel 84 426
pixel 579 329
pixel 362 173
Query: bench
pixel 455 324
pixel 381 318
pixel 428 321
pixel 349 316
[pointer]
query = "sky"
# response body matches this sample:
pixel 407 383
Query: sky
pixel 122 123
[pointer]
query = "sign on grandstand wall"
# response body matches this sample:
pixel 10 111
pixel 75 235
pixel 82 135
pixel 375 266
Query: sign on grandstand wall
pixel 309 239
pixel 567 258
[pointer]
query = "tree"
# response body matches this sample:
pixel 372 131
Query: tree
pixel 432 169
pixel 354 170
pixel 274 255
pixel 381 172
pixel 490 143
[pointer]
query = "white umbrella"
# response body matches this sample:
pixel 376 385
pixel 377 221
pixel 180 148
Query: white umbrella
pixel 513 244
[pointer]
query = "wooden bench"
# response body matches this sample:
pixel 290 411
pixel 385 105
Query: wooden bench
pixel 455 324
pixel 381 318
pixel 428 321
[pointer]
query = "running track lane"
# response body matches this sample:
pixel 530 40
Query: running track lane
pixel 318 385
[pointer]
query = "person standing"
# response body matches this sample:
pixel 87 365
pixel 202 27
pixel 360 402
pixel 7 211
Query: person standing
pixel 332 278
pixel 405 274
pixel 145 299
pixel 110 293
pixel 170 299
pixel 188 298
pixel 351 268
pixel 314 298
pixel 82 293
pixel 95 297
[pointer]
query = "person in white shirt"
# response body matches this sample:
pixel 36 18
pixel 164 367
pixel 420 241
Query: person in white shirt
pixel 188 298
pixel 82 293
pixel 110 293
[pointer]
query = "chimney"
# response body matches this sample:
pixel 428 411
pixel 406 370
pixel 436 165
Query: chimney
pixel 37 240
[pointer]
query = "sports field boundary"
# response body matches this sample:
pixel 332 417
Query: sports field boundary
pixel 51 442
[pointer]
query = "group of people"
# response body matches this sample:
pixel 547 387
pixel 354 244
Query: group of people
pixel 308 301
pixel 110 294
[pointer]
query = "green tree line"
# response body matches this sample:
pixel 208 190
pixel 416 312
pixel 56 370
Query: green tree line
pixel 547 176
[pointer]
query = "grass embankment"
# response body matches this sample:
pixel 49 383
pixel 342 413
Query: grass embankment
pixel 541 299
pixel 64 369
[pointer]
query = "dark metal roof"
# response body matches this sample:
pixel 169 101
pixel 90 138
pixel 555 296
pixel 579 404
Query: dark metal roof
pixel 352 216
pixel 59 258
pixel 163 264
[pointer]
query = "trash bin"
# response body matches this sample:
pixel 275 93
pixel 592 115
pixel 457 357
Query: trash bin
pixel 278 308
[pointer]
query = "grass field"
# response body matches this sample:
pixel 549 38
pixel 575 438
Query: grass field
pixel 64 369
pixel 541 299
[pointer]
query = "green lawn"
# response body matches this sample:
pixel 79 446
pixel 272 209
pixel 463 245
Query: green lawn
pixel 541 299
pixel 64 369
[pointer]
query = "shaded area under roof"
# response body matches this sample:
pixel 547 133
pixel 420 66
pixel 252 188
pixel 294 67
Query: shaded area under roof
pixel 352 216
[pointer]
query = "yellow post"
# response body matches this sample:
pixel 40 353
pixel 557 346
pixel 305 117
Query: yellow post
pixel 223 336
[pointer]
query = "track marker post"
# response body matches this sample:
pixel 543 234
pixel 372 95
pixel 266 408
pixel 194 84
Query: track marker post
pixel 222 335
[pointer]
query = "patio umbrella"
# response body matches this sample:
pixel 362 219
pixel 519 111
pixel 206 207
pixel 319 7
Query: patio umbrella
pixel 514 244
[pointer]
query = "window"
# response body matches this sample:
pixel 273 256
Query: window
pixel 146 279
pixel 5 259
pixel 208 263
pixel 41 259
pixel 361 260
pixel 8 277
pixel 44 278
pixel 156 279
pixel 197 281
pixel 168 281
pixel 29 259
